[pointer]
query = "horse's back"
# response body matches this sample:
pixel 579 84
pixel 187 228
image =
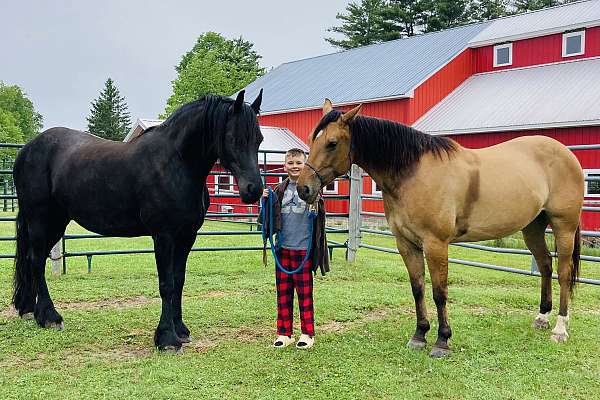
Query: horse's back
pixel 522 177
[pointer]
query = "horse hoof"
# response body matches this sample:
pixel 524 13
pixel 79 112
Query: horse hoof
pixel 439 352
pixel 59 326
pixel 541 324
pixel 416 344
pixel 27 316
pixel 559 337
pixel 184 339
pixel 178 351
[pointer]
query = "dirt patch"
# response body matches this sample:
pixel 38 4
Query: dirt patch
pixel 339 327
pixel 9 312
pixel 108 304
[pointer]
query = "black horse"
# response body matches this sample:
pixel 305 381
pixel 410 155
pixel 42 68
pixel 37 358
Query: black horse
pixel 154 185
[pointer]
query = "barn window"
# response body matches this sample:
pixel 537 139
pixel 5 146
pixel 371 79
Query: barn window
pixel 573 44
pixel 592 187
pixel 224 183
pixel 503 55
pixel 375 188
pixel 332 188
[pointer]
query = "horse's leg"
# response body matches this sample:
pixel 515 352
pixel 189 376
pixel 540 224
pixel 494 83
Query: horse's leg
pixel 564 234
pixel 413 259
pixel 45 229
pixel 436 253
pixel 182 250
pixel 165 337
pixel 534 235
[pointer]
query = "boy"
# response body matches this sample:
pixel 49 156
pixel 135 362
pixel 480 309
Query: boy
pixel 291 223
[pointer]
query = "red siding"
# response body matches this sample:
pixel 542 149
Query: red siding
pixel 540 50
pixel 440 84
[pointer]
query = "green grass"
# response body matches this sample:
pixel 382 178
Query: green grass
pixel 364 315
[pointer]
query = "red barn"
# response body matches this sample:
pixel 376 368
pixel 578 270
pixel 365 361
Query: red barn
pixel 536 73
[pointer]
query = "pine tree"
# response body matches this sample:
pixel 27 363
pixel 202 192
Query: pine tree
pixel 109 117
pixel 363 24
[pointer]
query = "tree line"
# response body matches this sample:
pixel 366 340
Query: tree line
pixel 222 66
pixel 375 21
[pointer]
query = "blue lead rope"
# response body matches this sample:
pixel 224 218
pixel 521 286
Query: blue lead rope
pixel 311 217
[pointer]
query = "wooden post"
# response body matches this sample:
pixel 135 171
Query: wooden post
pixel 354 218
pixel 5 191
pixel 56 255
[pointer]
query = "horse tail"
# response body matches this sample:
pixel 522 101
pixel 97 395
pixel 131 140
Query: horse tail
pixel 23 279
pixel 576 259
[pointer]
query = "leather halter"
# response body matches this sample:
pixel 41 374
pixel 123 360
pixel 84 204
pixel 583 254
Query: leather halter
pixel 321 180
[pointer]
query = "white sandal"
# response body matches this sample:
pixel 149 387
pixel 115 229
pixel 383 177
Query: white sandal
pixel 305 342
pixel 283 341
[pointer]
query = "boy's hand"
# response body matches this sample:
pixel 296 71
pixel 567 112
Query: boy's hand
pixel 265 193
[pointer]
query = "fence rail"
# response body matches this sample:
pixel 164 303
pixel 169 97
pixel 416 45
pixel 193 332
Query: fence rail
pixel 354 217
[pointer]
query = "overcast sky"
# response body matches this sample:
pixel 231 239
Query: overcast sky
pixel 61 52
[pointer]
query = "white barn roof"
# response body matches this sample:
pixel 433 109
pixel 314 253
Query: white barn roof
pixel 279 139
pixel 540 23
pixel 564 94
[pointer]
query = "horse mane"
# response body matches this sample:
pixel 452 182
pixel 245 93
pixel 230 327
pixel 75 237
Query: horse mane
pixel 213 112
pixel 386 145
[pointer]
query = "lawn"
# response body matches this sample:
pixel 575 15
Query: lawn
pixel 364 316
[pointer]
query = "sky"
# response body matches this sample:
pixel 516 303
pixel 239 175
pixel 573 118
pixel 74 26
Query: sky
pixel 61 52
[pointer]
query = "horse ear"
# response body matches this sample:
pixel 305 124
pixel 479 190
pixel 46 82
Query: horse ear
pixel 350 115
pixel 239 102
pixel 327 106
pixel 256 103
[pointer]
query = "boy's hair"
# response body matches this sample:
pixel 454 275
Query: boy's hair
pixel 295 152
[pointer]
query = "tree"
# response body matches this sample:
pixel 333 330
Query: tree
pixel 404 16
pixel 446 14
pixel 14 101
pixel 484 10
pixel 109 117
pixel 215 65
pixel 364 24
pixel 531 5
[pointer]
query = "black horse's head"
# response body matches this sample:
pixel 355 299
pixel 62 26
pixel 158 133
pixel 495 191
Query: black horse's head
pixel 239 150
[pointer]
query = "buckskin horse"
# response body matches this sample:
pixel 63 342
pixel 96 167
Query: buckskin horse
pixel 435 192
pixel 154 185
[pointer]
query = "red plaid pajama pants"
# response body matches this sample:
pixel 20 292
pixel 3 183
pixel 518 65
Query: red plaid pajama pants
pixel 303 282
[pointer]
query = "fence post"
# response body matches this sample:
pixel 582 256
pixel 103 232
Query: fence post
pixel 56 255
pixel 5 192
pixel 534 267
pixel 354 217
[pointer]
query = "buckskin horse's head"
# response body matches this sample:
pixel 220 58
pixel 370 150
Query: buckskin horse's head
pixel 330 151
pixel 240 147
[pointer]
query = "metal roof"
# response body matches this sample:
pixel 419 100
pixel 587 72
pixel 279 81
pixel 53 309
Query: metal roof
pixel 385 70
pixel 539 23
pixel 279 139
pixel 547 96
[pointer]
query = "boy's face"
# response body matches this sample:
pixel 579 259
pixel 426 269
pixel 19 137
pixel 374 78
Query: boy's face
pixel 293 165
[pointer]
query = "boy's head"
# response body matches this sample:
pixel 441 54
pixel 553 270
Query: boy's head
pixel 294 162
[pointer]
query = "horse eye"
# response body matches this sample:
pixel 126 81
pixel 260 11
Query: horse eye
pixel 331 145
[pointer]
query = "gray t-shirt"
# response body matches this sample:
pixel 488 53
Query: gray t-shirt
pixel 294 234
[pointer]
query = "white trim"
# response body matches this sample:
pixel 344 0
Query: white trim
pixel 407 95
pixel 565 36
pixel 500 71
pixel 587 172
pixel 374 190
pixel 531 35
pixel 216 184
pixel 334 190
pixel 510 53
pixel 488 129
